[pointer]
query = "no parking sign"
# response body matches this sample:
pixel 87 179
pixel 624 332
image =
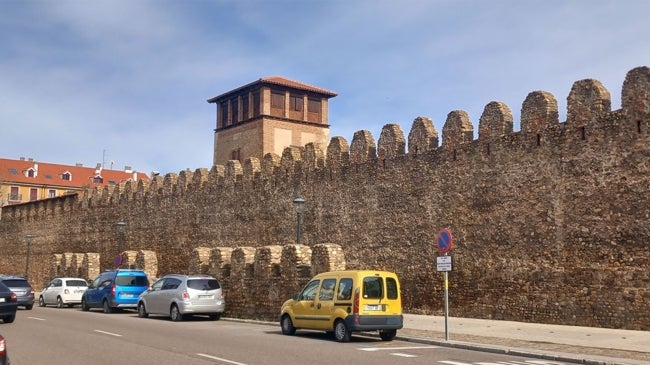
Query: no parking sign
pixel 444 240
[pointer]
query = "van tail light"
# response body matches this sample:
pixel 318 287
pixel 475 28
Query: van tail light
pixel 186 295
pixel 113 290
pixel 13 298
pixel 66 291
pixel 355 303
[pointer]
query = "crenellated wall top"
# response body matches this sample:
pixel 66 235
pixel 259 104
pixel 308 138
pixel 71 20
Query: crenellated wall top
pixel 588 106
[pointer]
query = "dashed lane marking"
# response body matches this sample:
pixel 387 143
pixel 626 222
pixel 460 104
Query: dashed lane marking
pixel 109 333
pixel 221 359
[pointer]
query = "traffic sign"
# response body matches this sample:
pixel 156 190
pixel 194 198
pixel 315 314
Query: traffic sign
pixel 443 263
pixel 444 240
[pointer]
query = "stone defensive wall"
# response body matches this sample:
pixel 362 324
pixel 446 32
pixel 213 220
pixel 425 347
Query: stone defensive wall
pixel 551 223
pixel 256 281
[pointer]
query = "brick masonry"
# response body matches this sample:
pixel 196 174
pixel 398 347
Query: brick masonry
pixel 551 224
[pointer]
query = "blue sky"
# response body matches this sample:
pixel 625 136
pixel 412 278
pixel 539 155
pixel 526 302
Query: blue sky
pixel 125 82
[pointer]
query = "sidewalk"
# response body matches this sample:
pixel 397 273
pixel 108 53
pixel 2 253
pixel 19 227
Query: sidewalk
pixel 553 342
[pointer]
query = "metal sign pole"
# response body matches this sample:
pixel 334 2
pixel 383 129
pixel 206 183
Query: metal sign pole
pixel 446 305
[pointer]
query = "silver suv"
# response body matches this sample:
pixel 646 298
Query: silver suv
pixel 179 296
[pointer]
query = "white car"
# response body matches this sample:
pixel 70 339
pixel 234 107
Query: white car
pixel 62 292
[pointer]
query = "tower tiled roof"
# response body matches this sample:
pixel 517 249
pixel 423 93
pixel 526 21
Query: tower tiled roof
pixel 277 80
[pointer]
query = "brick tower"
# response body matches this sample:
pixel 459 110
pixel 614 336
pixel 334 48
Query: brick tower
pixel 269 115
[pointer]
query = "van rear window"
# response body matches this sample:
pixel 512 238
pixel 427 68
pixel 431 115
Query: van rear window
pixel 391 288
pixel 131 280
pixel 373 287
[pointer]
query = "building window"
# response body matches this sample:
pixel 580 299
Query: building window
pixel 256 104
pixel 277 100
pixel 235 110
pixel 295 103
pixel 314 110
pixel 66 176
pixel 31 173
pixel 244 106
pixel 236 155
pixel 224 114
pixel 33 194
pixel 98 180
pixel 14 195
pixel 51 194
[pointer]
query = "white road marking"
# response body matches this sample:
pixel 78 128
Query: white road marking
pixel 36 318
pixel 397 348
pixel 402 354
pixel 221 359
pixel 109 333
pixel 455 362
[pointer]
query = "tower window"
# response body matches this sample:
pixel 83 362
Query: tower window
pixel 236 155
pixel 295 103
pixel 277 100
pixel 314 106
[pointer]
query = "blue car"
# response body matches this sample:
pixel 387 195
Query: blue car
pixel 115 289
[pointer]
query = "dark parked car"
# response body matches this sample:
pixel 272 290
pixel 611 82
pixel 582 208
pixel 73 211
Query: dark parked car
pixel 115 289
pixel 4 357
pixel 8 304
pixel 22 288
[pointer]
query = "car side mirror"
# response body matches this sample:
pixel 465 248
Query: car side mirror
pixel 296 296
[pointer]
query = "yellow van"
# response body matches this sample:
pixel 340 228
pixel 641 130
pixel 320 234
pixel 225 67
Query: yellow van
pixel 342 302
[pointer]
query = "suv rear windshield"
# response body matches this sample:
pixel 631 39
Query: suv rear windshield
pixel 203 284
pixel 16 283
pixel 131 280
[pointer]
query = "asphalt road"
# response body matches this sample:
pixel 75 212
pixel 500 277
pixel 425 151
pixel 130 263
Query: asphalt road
pixel 69 336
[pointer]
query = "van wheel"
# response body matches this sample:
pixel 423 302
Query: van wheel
pixel 107 307
pixel 41 301
pixel 175 314
pixel 387 335
pixel 341 331
pixel 287 326
pixel 142 311
pixel 84 305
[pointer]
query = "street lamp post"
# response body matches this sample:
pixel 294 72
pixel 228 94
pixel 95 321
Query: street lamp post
pixel 28 238
pixel 120 227
pixel 300 208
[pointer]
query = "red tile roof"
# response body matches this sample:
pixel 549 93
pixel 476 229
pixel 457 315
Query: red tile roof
pixel 50 174
pixel 277 80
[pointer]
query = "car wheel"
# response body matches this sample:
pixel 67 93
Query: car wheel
pixel 107 307
pixel 341 331
pixel 9 319
pixel 41 301
pixel 215 316
pixel 287 326
pixel 175 314
pixel 29 307
pixel 84 305
pixel 59 302
pixel 142 311
pixel 387 335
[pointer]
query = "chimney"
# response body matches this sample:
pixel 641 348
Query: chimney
pixel 98 169
pixel 79 164
pixel 128 169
